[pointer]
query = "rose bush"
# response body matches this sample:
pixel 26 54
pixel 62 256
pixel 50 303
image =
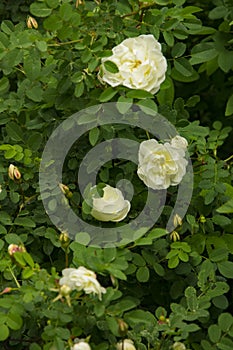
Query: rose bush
pixel 164 290
pixel 140 64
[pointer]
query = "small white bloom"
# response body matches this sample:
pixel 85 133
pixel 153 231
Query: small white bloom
pixel 0 188
pixel 178 346
pixel 111 207
pixel 128 345
pixel 140 62
pixel 81 346
pixel 179 142
pixel 82 279
pixel 161 166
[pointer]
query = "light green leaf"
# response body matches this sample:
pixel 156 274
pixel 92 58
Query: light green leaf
pixel 229 106
pixel 4 334
pixel 40 9
pixel 107 94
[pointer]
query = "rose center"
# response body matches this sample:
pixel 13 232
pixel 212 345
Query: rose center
pixel 137 63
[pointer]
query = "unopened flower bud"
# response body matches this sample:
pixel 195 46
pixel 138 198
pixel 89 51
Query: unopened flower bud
pixel 13 172
pixel 122 327
pixel 178 346
pixel 174 236
pixel 65 190
pixel 177 221
pixel 202 219
pixel 14 248
pixel 64 239
pixel 65 290
pixel 6 290
pixel 78 2
pixel 32 23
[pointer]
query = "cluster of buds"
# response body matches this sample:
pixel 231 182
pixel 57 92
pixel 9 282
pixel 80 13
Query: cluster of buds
pixel 178 346
pixel 66 191
pixel 14 248
pixel 14 173
pixel 163 320
pixel 177 221
pixel 31 22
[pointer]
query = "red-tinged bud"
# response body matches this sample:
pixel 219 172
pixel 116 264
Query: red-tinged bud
pixel 13 248
pixel 14 173
pixel 31 22
pixel 65 189
pixel 6 290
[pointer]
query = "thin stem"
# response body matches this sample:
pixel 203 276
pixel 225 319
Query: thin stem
pixel 229 158
pixel 14 277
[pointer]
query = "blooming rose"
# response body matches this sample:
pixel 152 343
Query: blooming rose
pixel 82 345
pixel 140 62
pixel 179 142
pixel 111 207
pixel 178 346
pixel 161 166
pixel 128 345
pixel 82 279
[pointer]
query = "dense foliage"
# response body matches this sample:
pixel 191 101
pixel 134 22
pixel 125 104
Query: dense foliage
pixel 161 288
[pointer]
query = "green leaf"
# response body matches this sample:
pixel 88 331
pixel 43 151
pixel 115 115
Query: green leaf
pixel 137 317
pixel 226 208
pixel 4 334
pixel 35 93
pixel 218 12
pixel 26 222
pixel 178 50
pixel 124 104
pixel 183 66
pixel 143 274
pixel 225 344
pixel 169 38
pixel 4 85
pixel 185 79
pixel 53 23
pixel 139 94
pixel 66 11
pixel 14 131
pixel 111 67
pixel 225 321
pixel 27 273
pixel 191 297
pixel 226 268
pixel 203 52
pixel 107 94
pixel 214 333
pixel 14 321
pixel 40 9
pixel 79 89
pixel 94 136
pixel 32 67
pixel 225 60
pixel 229 106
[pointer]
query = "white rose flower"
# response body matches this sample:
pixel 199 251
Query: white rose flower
pixel 127 345
pixel 82 345
pixel 140 62
pixel 82 279
pixel 178 346
pixel 179 142
pixel 161 166
pixel 111 207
